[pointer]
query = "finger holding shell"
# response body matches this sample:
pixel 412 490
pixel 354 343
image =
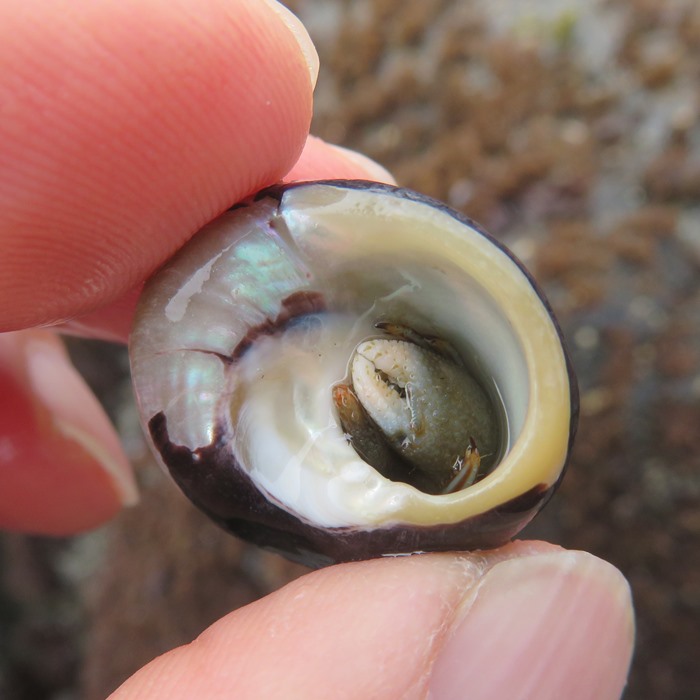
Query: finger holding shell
pixel 250 342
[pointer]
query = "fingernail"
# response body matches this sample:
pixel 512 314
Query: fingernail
pixel 39 362
pixel 301 35
pixel 556 625
pixel 371 167
pixel 75 412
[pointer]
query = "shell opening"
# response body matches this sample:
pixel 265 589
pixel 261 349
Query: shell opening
pixel 283 411
pixel 252 329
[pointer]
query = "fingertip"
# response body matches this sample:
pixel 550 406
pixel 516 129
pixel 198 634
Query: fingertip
pixel 374 171
pixel 360 630
pixel 551 624
pixel 61 466
pixel 321 160
pixel 527 621
pixel 162 115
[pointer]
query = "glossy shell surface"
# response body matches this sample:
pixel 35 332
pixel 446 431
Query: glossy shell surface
pixel 241 337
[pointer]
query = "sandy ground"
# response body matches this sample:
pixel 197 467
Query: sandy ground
pixel 571 130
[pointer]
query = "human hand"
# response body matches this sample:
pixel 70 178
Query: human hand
pixel 127 125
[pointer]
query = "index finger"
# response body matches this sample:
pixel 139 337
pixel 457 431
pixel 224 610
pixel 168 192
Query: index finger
pixel 128 125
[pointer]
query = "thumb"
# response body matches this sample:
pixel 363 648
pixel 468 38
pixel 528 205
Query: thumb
pixel 526 621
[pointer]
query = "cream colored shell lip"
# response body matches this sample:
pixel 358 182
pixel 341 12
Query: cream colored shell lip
pixel 486 514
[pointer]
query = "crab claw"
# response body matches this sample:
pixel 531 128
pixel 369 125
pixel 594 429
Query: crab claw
pixel 467 467
pixel 363 434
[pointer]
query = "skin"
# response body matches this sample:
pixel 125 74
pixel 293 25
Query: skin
pixel 127 124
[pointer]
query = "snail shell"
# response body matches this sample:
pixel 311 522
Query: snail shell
pixel 248 353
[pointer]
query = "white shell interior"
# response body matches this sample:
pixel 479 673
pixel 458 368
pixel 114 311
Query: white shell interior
pixel 373 256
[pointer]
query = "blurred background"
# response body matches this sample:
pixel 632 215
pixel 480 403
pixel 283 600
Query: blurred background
pixel 571 130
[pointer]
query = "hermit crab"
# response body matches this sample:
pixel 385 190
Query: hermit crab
pixel 340 370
